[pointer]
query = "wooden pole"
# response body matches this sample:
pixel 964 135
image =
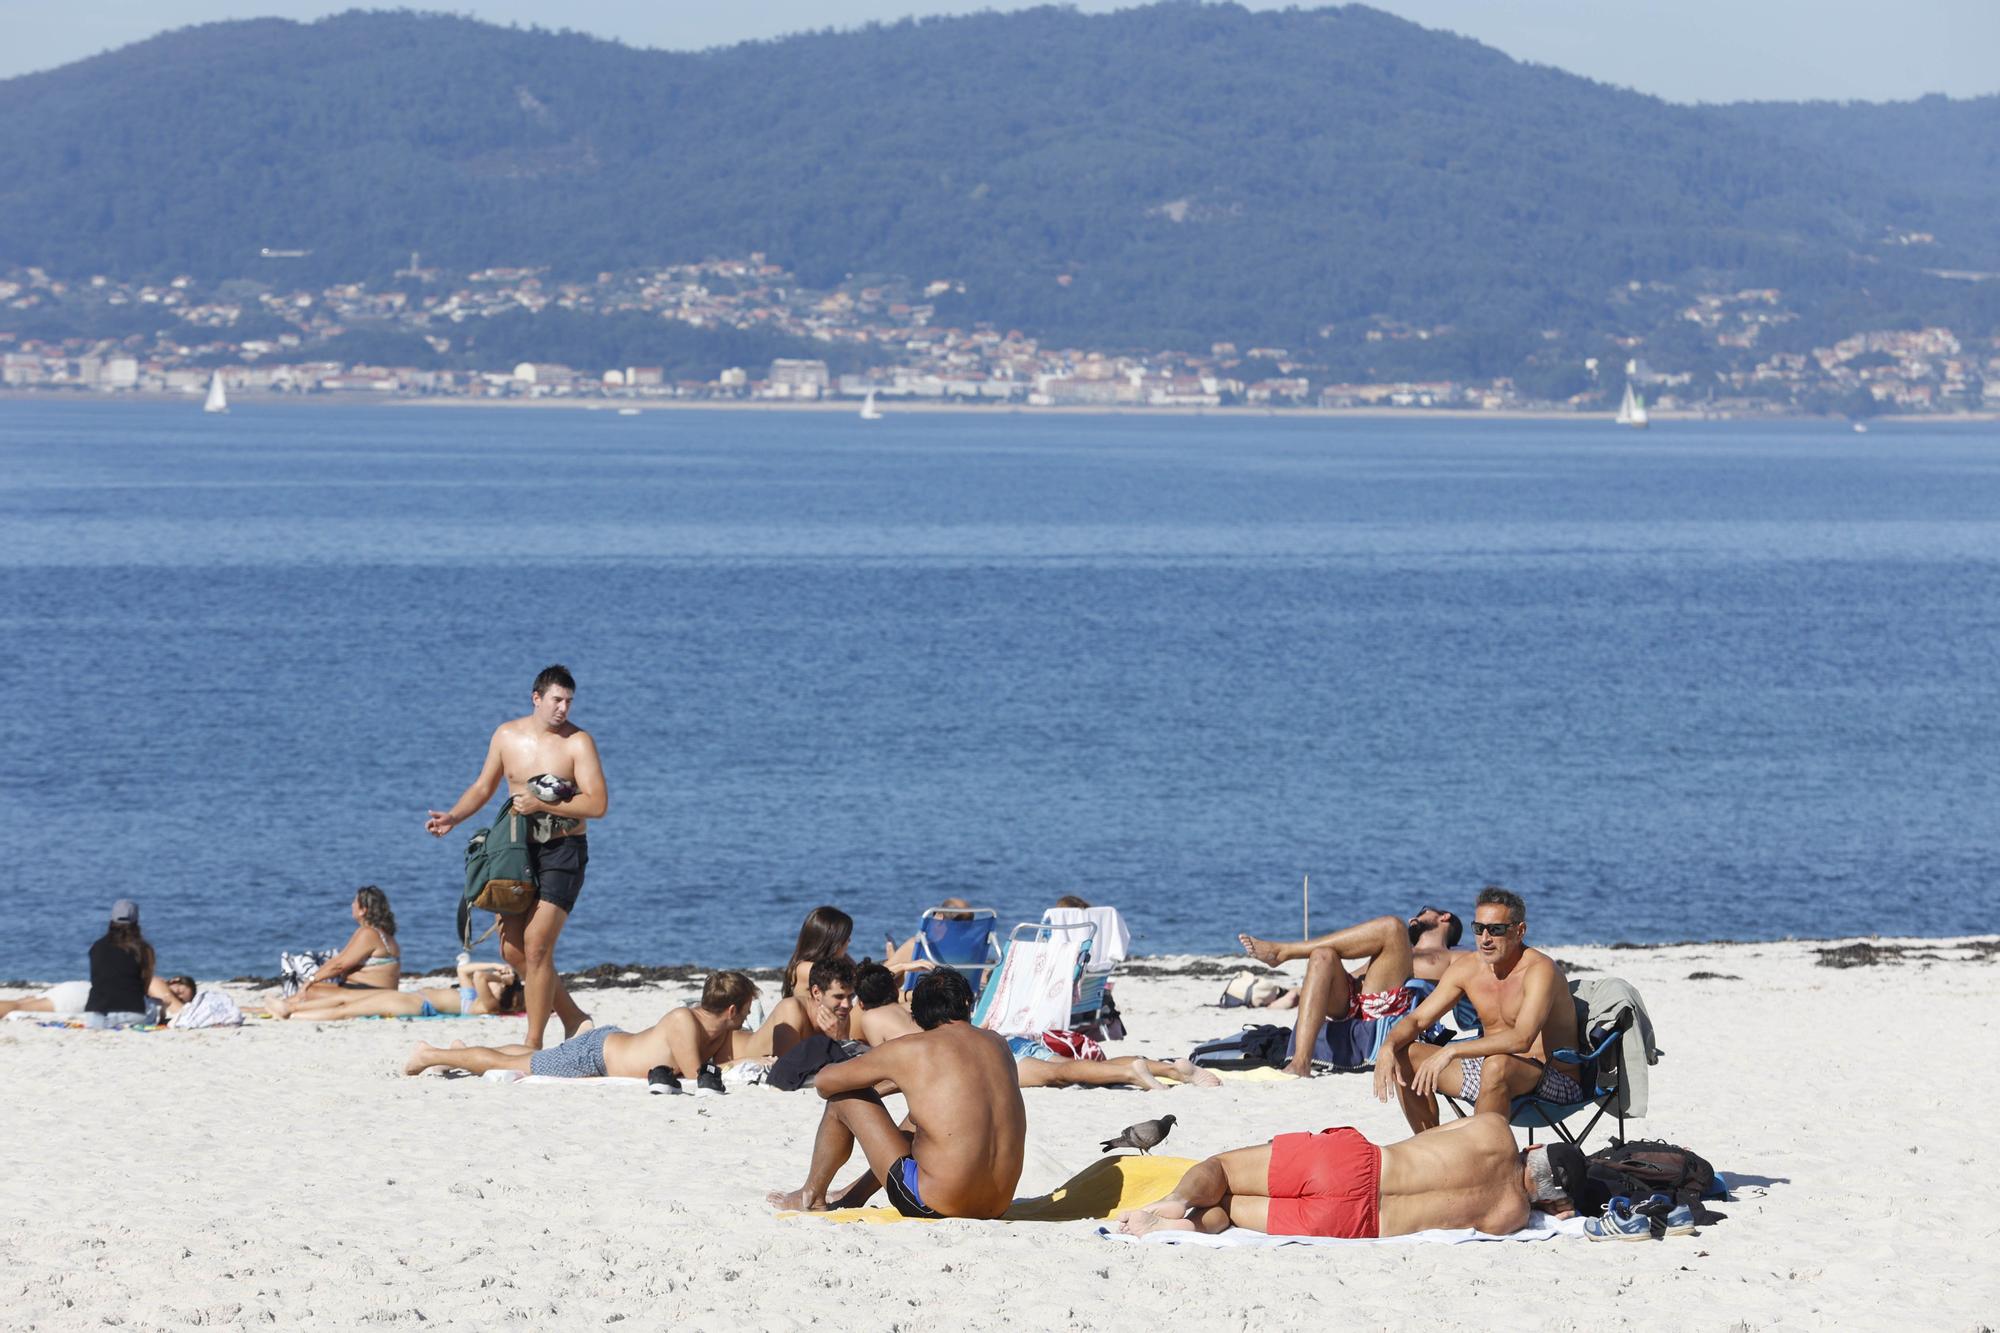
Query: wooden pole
pixel 1309 909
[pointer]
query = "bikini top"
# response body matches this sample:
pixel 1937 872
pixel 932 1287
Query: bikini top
pixel 382 959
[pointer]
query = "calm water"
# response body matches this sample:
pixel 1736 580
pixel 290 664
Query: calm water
pixel 1714 681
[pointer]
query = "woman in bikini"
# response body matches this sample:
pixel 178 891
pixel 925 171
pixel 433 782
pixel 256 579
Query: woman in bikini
pixel 370 957
pixel 483 988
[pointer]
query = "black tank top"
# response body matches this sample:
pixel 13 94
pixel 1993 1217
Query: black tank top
pixel 116 987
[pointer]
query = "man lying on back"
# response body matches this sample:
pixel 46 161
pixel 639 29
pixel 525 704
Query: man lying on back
pixel 961 1155
pixel 1525 1013
pixel 1394 953
pixel 684 1040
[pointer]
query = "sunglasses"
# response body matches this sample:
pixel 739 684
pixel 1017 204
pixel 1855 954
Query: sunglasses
pixel 1492 927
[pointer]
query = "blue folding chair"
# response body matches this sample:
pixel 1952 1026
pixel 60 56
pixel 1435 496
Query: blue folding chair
pixel 961 939
pixel 1598 1070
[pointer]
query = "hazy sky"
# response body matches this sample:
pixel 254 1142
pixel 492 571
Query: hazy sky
pixel 1686 50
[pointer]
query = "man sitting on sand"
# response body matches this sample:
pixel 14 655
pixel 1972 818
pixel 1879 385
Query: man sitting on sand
pixel 825 1008
pixel 1337 1183
pixel 1525 1013
pixel 880 1017
pixel 684 1040
pixel 1397 951
pixel 961 1156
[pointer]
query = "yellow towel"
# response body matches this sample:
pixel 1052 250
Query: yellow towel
pixel 1253 1076
pixel 1103 1189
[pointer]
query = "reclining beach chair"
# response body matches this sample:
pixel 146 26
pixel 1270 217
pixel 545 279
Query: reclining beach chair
pixel 1601 1072
pixel 959 938
pixel 1108 949
pixel 1034 988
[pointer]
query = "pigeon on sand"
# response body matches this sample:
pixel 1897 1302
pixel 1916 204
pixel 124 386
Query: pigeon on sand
pixel 1145 1136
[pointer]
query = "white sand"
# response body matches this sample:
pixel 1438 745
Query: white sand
pixel 286 1173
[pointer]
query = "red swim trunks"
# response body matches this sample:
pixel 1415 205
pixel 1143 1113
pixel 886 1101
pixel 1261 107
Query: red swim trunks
pixel 1376 1004
pixel 1325 1184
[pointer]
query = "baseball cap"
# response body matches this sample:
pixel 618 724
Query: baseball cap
pixel 124 911
pixel 1572 1173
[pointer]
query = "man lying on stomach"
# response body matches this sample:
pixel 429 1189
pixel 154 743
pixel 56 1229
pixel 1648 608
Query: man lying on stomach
pixel 684 1040
pixel 1337 1183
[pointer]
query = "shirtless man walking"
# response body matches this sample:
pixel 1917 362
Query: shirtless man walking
pixel 961 1156
pixel 684 1040
pixel 1337 1183
pixel 1525 1014
pixel 1394 951
pixel 543 745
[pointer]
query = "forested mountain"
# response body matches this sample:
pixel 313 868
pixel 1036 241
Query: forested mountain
pixel 1160 176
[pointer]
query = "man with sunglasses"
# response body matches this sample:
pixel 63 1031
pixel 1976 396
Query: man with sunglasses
pixel 1394 951
pixel 1525 1013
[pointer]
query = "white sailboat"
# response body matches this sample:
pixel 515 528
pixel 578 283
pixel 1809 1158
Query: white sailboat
pixel 870 412
pixel 218 401
pixel 1632 411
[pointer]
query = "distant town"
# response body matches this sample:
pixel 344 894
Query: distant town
pixel 263 339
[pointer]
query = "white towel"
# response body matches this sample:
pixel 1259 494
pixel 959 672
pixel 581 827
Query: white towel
pixel 1540 1227
pixel 1113 943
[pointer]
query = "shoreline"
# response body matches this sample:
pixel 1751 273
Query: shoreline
pixel 893 407
pixel 1867 950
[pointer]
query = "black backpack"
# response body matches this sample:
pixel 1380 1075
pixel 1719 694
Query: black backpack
pixel 1640 1167
pixel 1259 1047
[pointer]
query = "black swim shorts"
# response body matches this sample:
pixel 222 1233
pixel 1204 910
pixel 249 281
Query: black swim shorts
pixel 559 869
pixel 902 1188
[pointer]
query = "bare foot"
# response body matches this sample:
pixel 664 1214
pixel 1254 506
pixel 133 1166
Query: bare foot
pixel 1166 1215
pixel 420 1059
pixel 1141 1070
pixel 1195 1076
pixel 276 1007
pixel 792 1201
pixel 1307 1072
pixel 1264 951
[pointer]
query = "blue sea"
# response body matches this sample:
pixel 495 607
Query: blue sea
pixel 1718 680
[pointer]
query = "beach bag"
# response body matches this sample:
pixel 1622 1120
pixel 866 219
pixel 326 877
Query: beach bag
pixel 1348 1043
pixel 499 867
pixel 1651 1166
pixel 208 1009
pixel 1258 1047
pixel 296 970
pixel 1248 989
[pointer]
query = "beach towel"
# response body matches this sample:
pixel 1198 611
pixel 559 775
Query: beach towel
pixel 1103 1189
pixel 1540 1227
pixel 1031 992
pixel 1114 940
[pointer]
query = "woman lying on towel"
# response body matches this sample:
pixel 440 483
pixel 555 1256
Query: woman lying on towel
pixel 172 994
pixel 483 988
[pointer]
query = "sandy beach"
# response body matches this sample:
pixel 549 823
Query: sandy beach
pixel 287 1173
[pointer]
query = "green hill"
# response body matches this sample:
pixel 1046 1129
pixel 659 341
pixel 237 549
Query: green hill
pixel 1162 176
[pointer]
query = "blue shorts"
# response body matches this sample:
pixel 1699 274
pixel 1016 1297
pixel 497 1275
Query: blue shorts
pixel 579 1057
pixel 1030 1048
